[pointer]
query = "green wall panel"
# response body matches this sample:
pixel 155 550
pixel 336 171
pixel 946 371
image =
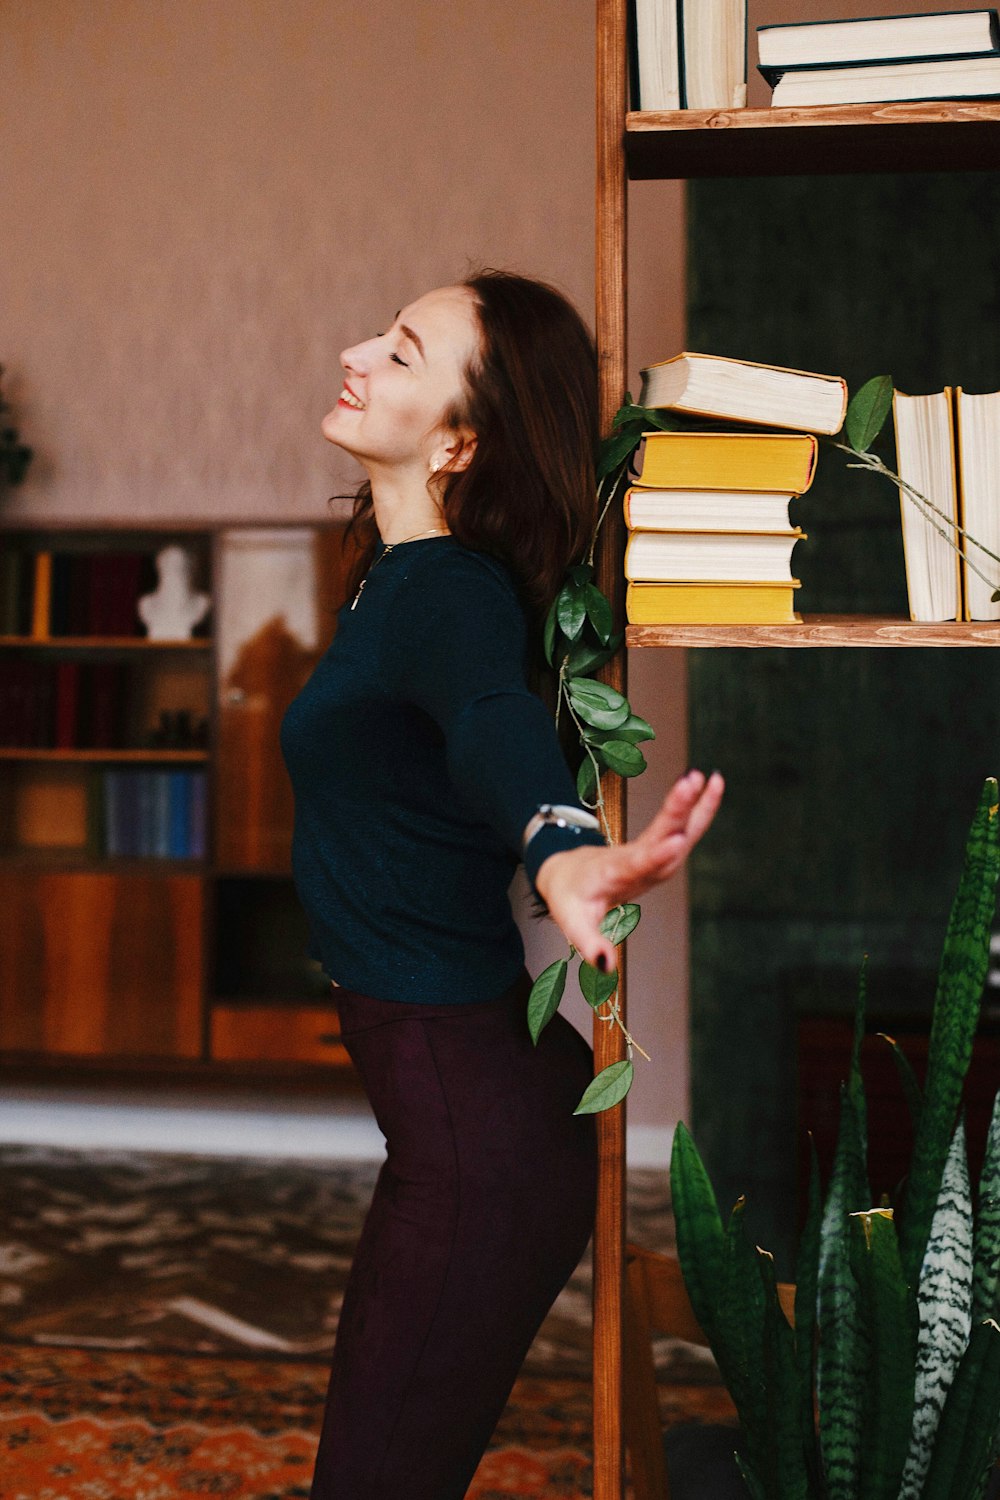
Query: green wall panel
pixel 852 774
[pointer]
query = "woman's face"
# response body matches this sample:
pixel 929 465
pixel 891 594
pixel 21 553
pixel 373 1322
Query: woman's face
pixel 399 385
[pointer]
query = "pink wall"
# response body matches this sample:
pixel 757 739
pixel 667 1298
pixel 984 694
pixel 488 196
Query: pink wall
pixel 205 201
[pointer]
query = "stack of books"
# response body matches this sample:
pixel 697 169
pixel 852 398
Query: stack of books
pixel 948 448
pixel 710 539
pixel 944 55
pixel 691 54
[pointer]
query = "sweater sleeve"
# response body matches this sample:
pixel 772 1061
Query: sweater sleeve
pixel 455 647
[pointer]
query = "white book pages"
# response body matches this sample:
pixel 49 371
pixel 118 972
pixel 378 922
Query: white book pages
pixel 925 458
pixel 659 55
pixel 979 463
pixel 714 36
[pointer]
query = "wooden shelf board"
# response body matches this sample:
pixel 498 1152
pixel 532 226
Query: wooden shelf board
pixel 910 136
pixel 821 630
pixel 102 643
pixel 155 757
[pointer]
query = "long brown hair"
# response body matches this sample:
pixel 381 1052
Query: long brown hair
pixel 528 495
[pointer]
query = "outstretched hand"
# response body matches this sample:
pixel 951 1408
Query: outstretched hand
pixel 580 885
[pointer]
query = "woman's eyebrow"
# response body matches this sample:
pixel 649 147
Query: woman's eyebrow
pixel 414 338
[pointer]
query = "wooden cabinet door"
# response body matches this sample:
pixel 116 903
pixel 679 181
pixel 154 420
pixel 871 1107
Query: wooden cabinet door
pixel 276 597
pixel 101 964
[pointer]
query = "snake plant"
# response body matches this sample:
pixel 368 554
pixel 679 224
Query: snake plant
pixel 888 1386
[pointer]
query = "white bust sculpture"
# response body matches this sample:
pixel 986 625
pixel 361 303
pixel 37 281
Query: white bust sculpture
pixel 172 611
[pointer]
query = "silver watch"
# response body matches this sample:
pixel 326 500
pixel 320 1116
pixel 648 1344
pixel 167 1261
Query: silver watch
pixel 558 815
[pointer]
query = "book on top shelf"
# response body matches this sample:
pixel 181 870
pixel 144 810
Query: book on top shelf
pixel 869 39
pixel 713 47
pixel 658 60
pixel 880 83
pixel 977 425
pixel 925 458
pixel 705 510
pixel 742 390
pixel 710 556
pixel 771 461
pixel 712 603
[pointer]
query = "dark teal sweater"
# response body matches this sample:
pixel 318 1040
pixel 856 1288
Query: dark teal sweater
pixel 417 755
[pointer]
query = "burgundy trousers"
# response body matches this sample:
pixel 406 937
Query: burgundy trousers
pixel 481 1212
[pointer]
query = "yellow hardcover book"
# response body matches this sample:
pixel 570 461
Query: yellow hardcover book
pixel 41 606
pixel 771 461
pixel 925 454
pixel 742 390
pixel 712 603
pixel 977 442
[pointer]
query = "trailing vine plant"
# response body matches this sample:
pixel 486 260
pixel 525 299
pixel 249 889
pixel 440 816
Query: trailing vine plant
pixel 579 639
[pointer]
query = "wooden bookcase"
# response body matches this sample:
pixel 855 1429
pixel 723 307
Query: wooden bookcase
pixel 147 915
pixel 903 137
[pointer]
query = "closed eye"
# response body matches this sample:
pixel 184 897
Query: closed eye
pixel 399 361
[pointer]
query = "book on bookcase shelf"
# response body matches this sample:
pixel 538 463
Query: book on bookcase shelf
pixel 742 461
pixel 710 556
pixel 948 448
pixel 45 594
pixel 742 390
pixel 870 39
pixel 881 83
pixel 713 45
pixel 711 603
pixel 65 705
pixel 925 458
pixel 705 510
pixel 147 814
pixel 657 54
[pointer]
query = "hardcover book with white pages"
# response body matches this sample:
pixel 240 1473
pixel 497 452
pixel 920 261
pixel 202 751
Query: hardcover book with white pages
pixel 978 440
pixel 880 83
pixel 870 39
pixel 925 458
pixel 658 52
pixel 717 557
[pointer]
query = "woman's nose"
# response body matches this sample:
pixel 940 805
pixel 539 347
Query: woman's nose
pixel 358 357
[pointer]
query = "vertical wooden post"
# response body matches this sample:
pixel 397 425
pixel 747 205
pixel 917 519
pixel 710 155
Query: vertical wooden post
pixel 609 1230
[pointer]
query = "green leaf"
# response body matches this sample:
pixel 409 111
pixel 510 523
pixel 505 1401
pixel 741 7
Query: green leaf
pixel 781 1378
pixel 890 1317
pixel 738 1336
pixel 616 451
pixel 966 1441
pixel 549 632
pixel 986 1254
pixel 597 987
pixel 586 781
pixel 620 921
pixel 598 704
pixel 961 977
pixel 907 1077
pixel 867 411
pixel 806 1280
pixel 944 1297
pixel 599 612
pixel 584 657
pixel 546 993
pixel 571 610
pixel 607 1089
pixel 700 1238
pixel 626 759
pixel 634 730
pixel 842 1348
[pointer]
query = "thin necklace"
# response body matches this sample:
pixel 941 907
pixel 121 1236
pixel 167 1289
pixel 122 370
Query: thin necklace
pixel 434 531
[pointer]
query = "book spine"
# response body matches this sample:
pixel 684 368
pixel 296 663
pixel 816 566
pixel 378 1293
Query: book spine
pixel 180 814
pixel 198 824
pixel 42 600
pixel 67 704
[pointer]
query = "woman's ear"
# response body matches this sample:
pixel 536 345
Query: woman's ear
pixel 455 452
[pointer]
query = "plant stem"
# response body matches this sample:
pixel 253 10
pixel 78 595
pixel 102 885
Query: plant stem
pixel 872 462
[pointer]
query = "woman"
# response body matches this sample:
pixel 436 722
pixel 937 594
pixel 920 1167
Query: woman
pixel 423 769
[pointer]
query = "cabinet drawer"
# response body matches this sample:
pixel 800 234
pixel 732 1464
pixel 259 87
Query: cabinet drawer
pixel 277 1033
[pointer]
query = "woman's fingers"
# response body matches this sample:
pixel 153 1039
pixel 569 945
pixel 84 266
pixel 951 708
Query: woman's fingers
pixel 581 885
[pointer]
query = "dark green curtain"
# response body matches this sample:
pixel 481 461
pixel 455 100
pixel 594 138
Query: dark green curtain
pixel 852 774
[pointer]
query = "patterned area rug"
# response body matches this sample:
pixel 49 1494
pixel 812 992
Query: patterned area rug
pixel 94 1425
pixel 210 1255
pixel 166 1325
